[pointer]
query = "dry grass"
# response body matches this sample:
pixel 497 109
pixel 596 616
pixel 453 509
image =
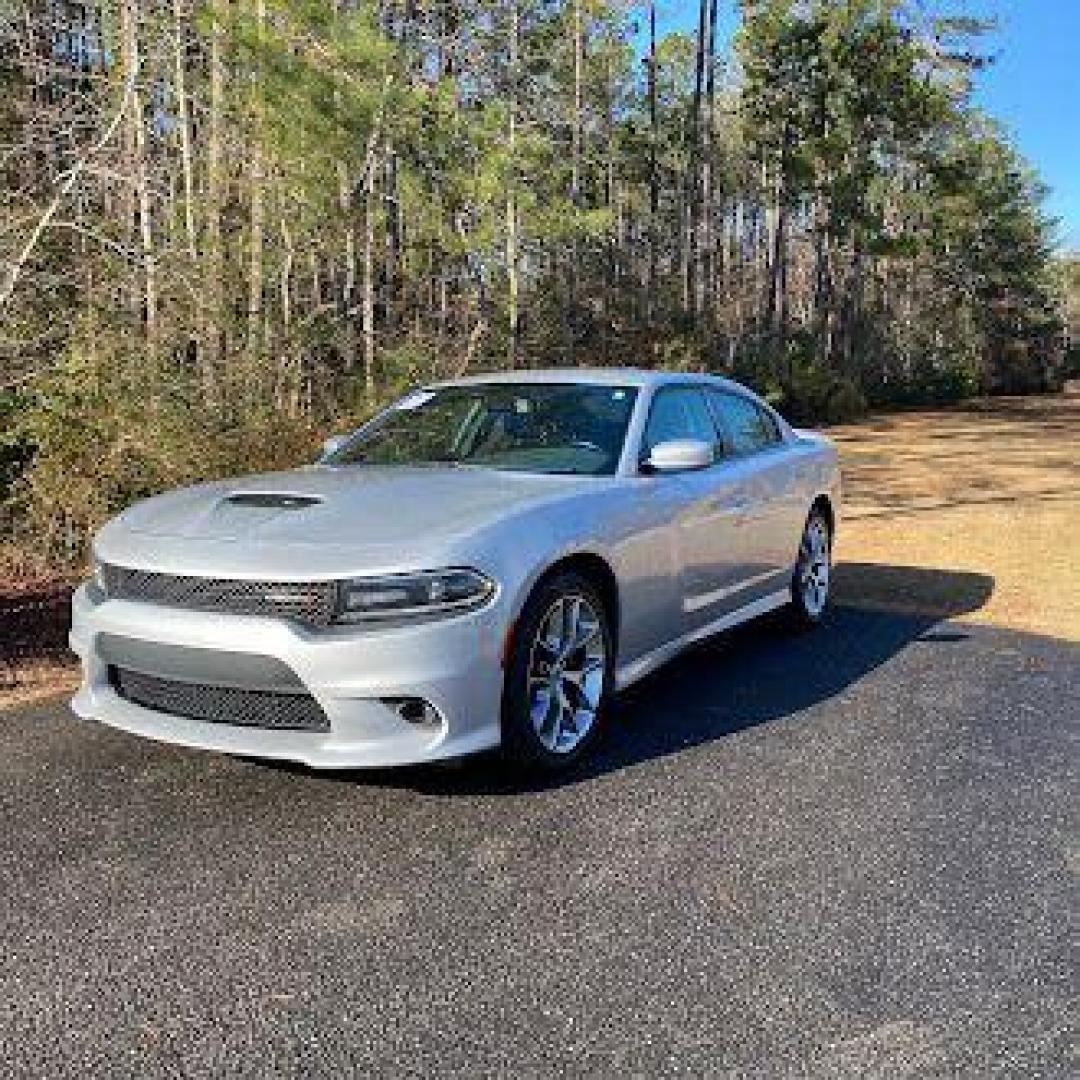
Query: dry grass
pixel 971 513
pixel 993 489
pixel 37 678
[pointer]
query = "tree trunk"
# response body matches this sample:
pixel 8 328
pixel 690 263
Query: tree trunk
pixel 822 282
pixel 214 337
pixel 654 180
pixel 368 312
pixel 348 288
pixel 512 256
pixel 141 177
pixel 708 268
pixel 695 157
pixel 575 183
pixel 257 212
pixel 183 123
pixel 393 241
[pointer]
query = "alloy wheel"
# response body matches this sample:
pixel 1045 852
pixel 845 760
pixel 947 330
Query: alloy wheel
pixel 567 667
pixel 815 565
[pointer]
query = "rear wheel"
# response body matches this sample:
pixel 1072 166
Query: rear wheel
pixel 558 675
pixel 812 581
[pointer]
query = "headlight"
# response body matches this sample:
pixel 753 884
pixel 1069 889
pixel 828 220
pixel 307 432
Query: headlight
pixel 430 592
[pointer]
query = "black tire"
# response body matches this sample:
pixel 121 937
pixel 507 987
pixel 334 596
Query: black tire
pixel 806 611
pixel 521 743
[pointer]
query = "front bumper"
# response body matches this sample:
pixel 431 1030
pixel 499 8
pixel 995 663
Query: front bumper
pixel 354 674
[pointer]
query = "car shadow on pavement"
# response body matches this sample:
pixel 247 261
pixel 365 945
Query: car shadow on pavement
pixel 754 675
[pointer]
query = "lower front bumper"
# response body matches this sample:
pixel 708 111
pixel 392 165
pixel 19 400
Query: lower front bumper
pixel 354 675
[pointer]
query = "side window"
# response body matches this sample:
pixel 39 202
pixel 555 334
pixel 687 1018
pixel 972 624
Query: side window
pixel 748 426
pixel 678 412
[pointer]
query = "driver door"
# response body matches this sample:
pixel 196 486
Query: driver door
pixel 705 528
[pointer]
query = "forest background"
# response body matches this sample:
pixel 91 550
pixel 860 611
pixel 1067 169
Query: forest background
pixel 230 227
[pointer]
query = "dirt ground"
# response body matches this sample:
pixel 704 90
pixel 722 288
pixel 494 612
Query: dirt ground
pixel 992 490
pixel 989 493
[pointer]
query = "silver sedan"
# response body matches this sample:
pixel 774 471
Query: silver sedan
pixel 482 564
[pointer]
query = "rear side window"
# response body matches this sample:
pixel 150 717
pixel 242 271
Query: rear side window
pixel 678 412
pixel 747 426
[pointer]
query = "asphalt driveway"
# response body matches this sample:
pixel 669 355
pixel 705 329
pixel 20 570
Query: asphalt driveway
pixel 848 853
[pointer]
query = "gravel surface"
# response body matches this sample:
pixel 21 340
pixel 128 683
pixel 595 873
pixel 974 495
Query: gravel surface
pixel 849 853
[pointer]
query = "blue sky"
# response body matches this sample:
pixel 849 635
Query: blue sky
pixel 1033 88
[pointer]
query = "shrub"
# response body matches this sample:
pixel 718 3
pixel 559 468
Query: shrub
pixel 15 452
pixel 845 402
pixel 1072 363
pixel 101 439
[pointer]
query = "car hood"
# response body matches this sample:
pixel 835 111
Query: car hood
pixel 321 518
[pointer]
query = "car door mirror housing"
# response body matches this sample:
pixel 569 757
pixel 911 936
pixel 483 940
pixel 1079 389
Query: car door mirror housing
pixel 332 445
pixel 679 455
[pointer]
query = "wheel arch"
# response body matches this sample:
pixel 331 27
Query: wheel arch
pixel 824 504
pixel 592 566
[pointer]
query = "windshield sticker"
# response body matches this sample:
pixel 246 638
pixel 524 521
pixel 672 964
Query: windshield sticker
pixel 414 401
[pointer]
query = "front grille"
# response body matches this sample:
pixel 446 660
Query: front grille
pixel 220 704
pixel 311 602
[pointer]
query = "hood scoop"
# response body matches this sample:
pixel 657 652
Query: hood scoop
pixel 271 500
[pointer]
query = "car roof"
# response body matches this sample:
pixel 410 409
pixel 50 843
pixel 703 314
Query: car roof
pixel 595 376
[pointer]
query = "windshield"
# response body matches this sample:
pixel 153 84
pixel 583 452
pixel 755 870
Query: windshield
pixel 570 428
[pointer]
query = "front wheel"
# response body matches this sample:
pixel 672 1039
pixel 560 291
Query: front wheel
pixel 558 675
pixel 812 581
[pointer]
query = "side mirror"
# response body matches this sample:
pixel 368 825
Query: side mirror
pixel 332 445
pixel 680 455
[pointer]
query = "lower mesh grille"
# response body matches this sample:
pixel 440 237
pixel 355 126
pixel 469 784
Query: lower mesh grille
pixel 220 704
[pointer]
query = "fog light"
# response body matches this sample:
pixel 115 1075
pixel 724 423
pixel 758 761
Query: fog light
pixel 415 711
